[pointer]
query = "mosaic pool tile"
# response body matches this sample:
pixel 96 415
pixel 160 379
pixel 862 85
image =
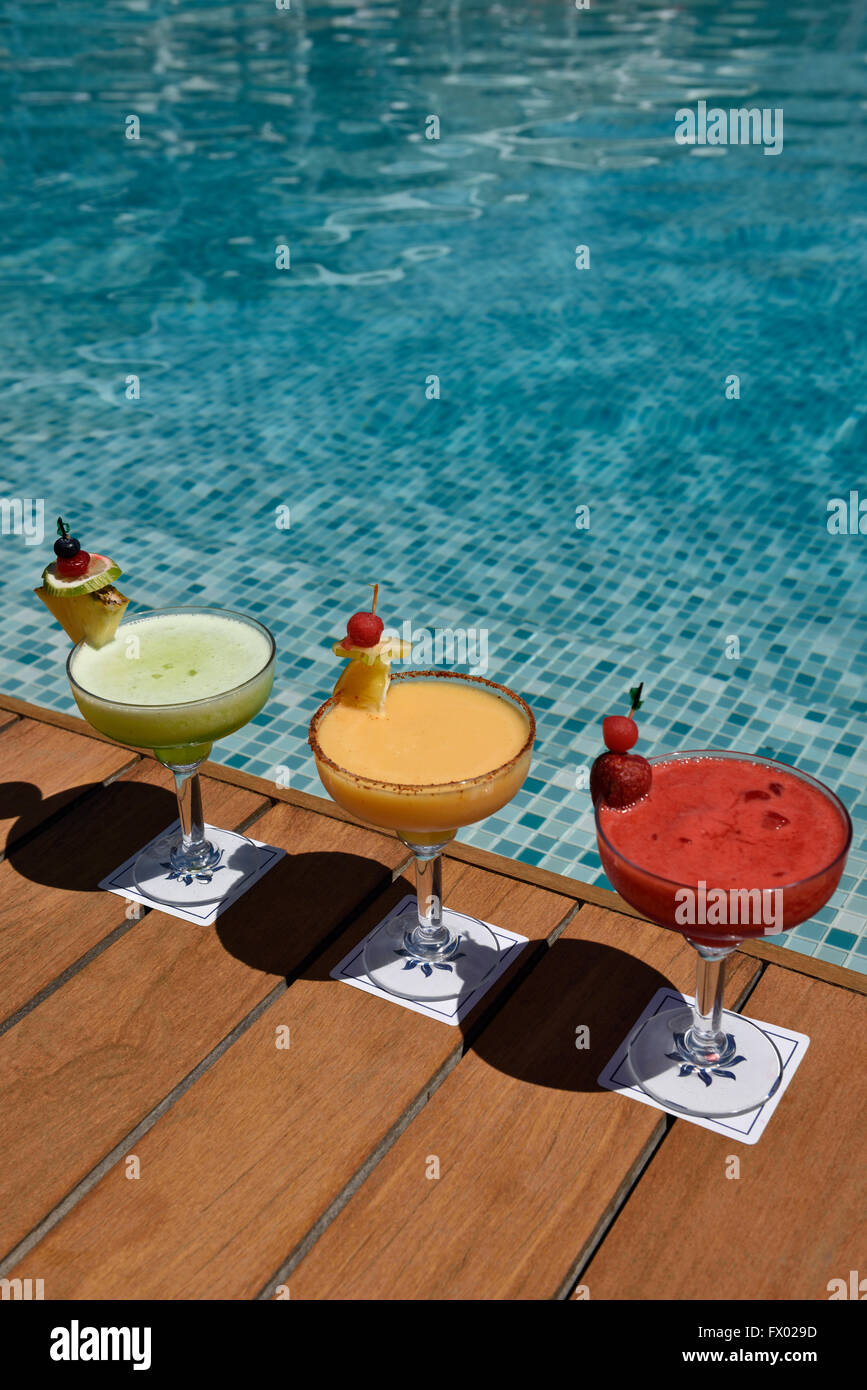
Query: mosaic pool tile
pixel 306 389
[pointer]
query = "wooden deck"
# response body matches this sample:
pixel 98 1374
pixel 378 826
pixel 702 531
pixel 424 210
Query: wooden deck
pixel 263 1168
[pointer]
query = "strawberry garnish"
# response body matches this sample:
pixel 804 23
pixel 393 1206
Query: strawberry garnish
pixel 618 776
pixel 620 779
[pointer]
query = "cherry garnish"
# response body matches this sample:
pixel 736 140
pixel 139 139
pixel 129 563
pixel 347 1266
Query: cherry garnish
pixel 619 732
pixel 364 630
pixel 73 566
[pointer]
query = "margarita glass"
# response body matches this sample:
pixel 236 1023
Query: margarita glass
pixel 725 846
pixel 440 719
pixel 174 680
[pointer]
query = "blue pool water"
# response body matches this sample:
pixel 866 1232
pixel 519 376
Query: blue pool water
pixel 307 388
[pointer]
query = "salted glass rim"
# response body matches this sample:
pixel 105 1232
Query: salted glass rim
pixel 757 758
pixel 427 787
pixel 178 704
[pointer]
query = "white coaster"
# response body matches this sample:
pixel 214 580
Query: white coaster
pixel 351 969
pixel 747 1128
pixel 123 882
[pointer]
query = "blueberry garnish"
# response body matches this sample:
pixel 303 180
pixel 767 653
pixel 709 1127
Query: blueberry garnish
pixel 66 546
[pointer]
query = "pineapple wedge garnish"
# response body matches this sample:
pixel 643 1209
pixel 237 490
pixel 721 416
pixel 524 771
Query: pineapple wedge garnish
pixel 78 590
pixel 93 617
pixel 363 682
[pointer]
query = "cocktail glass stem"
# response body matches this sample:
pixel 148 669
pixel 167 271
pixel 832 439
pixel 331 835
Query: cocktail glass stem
pixel 193 853
pixel 420 957
pixel 705 1042
pixel 429 939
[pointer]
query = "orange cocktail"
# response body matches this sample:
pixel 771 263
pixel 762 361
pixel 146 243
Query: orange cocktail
pixel 446 751
pixel 438 752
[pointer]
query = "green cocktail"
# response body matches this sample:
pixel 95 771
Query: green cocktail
pixel 174 680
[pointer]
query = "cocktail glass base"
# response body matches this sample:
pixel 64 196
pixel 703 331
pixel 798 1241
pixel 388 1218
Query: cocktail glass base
pixel 744 1073
pixel 164 873
pixel 399 964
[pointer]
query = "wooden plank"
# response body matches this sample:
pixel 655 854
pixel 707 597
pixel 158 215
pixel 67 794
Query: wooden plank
pixel 605 897
pixel 321 805
pixel 236 1174
pixel 589 893
pixel 44 769
pixel 543 878
pixel 534 1158
pixel 82 1069
pixel 790 959
pixel 468 854
pixel 51 910
pixel 6 718
pixel 794 1219
pixel 57 719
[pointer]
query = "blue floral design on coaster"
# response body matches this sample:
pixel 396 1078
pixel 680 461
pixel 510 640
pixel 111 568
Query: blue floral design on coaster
pixel 201 877
pixel 706 1073
pixel 428 967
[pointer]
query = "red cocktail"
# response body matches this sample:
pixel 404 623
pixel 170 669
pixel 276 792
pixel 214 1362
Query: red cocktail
pixel 724 846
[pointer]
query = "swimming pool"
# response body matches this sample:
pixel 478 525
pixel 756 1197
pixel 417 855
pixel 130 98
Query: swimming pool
pixel 309 388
